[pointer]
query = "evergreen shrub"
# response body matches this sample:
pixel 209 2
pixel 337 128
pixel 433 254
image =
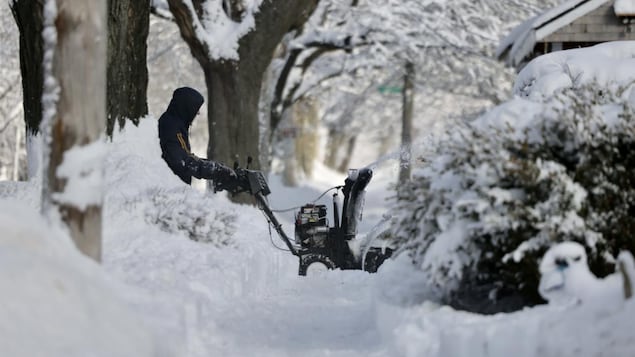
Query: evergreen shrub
pixel 480 212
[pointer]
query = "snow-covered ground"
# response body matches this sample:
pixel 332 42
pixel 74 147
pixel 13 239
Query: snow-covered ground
pixel 233 291
pixel 238 295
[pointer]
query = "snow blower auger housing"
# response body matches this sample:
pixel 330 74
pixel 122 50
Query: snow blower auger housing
pixel 316 244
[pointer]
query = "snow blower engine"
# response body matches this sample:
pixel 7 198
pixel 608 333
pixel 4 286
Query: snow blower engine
pixel 318 245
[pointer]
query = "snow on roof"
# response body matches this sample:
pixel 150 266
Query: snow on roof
pixel 624 7
pixel 608 65
pixel 521 41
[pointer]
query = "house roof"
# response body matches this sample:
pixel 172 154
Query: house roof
pixel 521 41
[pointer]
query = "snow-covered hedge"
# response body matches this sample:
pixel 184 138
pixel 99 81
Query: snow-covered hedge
pixel 500 190
pixel 141 186
pixel 191 213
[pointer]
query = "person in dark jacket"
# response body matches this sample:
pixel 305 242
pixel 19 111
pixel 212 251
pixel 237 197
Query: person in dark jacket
pixel 174 127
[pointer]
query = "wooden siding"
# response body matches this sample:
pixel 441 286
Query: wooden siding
pixel 600 25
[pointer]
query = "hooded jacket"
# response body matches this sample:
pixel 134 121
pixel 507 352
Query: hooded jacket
pixel 174 126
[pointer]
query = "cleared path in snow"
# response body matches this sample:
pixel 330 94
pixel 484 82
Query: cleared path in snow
pixel 329 314
pixel 326 315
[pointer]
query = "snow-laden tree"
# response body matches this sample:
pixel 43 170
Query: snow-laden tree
pixel 127 72
pixel 74 116
pixel 498 192
pixel 234 41
pixel 353 55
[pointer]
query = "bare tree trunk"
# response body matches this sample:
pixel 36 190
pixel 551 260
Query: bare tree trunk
pixel 346 159
pixel 300 148
pixel 306 119
pixel 28 15
pixel 406 121
pixel 233 113
pixel 128 26
pixel 335 142
pixel 79 66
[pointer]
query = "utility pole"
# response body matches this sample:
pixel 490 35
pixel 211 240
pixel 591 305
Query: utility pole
pixel 407 93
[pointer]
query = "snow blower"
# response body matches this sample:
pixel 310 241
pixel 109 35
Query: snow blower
pixel 318 245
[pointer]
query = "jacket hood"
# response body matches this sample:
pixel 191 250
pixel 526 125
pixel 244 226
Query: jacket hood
pixel 185 104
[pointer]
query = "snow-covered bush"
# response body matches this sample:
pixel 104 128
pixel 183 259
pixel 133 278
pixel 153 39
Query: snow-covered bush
pixel 502 189
pixel 142 187
pixel 189 212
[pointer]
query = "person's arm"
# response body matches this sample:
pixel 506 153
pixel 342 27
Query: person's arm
pixel 216 171
pixel 179 156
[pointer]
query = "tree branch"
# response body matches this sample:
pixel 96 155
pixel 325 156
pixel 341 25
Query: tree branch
pixel 185 21
pixel 278 103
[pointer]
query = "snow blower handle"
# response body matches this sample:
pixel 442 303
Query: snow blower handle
pixel 249 181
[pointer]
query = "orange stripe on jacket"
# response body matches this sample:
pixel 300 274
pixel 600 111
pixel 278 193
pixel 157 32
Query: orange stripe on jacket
pixel 182 141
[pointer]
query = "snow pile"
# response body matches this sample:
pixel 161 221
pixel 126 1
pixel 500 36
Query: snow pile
pixel 55 301
pixel 607 65
pixel 428 329
pixel 558 331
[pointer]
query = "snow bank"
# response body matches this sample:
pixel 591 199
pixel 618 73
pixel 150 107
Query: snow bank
pixel 418 327
pixel 610 65
pixel 55 301
pixel 432 331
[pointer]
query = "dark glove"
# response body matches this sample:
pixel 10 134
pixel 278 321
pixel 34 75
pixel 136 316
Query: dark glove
pixel 223 173
pixel 216 171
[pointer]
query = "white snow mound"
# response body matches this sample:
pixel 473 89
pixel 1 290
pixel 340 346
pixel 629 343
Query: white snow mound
pixel 55 301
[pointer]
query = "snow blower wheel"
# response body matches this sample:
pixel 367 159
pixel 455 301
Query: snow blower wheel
pixel 315 263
